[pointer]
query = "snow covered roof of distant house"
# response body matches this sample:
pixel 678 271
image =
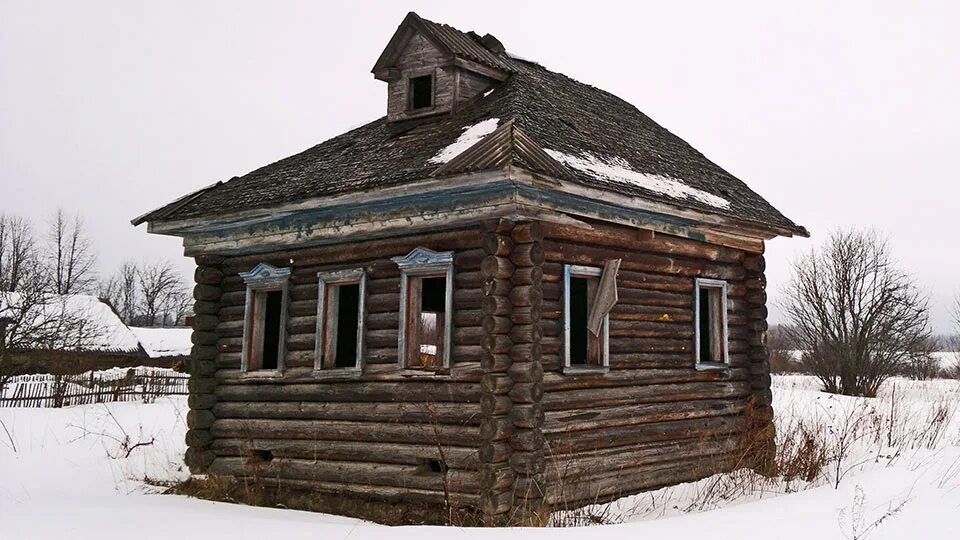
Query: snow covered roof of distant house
pixel 569 130
pixel 71 322
pixel 159 342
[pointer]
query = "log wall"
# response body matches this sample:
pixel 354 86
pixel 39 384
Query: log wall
pixel 653 419
pixel 387 433
pixel 504 429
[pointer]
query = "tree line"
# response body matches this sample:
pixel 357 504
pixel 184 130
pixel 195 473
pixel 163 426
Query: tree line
pixel 60 258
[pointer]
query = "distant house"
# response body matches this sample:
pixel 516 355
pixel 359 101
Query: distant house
pixel 164 342
pixel 513 292
pixel 77 332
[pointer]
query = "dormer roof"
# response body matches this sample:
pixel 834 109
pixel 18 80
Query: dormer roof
pixel 485 50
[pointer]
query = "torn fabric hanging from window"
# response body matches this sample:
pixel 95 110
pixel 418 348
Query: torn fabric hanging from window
pixel 605 297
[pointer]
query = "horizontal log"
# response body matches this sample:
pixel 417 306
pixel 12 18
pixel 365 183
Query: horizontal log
pixel 363 391
pixel 645 329
pixel 495 363
pixel 336 430
pixel 496 383
pixel 419 412
pixel 638 377
pixel 494 267
pixel 495 244
pixel 631 345
pixel 557 423
pixel 583 254
pixel 626 435
pixel 625 238
pixel 528 232
pixel 526 314
pixel 456 457
pixel 527 415
pixel 642 312
pixel 630 395
pixel 530 275
pixel 526 295
pixel 613 485
pixel 527 255
pixel 493 324
pixel 374 474
pixel 496 226
pixel 384 493
pixel 493 452
pixel 597 463
pixel 454 239
pixel 496 287
pixel 496 305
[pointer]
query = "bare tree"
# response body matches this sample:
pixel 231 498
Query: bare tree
pixel 40 321
pixel 956 324
pixel 147 294
pixel 952 343
pixel 18 251
pixel 162 293
pixel 122 292
pixel 781 350
pixel 856 316
pixel 70 255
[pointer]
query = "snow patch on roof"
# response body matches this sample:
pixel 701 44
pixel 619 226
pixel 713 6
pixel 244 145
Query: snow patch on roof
pixel 160 342
pixel 469 137
pixel 616 169
pixel 94 326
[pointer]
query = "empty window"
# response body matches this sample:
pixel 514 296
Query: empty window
pixel 711 322
pixel 589 294
pixel 340 312
pixel 426 293
pixel 421 92
pixel 264 329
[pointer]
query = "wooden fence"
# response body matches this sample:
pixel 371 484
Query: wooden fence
pixel 135 384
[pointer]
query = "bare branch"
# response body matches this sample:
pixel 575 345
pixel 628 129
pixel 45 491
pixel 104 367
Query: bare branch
pixel 70 255
pixel 856 316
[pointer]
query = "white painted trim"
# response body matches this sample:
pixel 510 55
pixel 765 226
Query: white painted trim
pixel 573 270
pixel 340 277
pixel 705 283
pixel 423 262
pixel 265 278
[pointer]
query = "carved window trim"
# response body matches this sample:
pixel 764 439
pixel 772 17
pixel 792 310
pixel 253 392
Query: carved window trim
pixel 721 286
pixel 325 280
pixel 571 271
pixel 264 278
pixel 423 262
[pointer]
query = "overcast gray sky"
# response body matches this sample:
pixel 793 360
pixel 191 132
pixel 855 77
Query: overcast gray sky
pixel 839 113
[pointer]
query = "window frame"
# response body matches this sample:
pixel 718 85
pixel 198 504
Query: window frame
pixel 432 73
pixel 571 271
pixel 264 278
pixel 722 286
pixel 419 263
pixel 335 278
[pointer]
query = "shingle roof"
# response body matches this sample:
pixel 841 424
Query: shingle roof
pixel 572 121
pixel 466 45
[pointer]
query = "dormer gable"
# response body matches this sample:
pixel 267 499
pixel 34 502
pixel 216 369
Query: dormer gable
pixel 432 69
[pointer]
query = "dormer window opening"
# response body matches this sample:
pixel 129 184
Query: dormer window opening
pixel 421 92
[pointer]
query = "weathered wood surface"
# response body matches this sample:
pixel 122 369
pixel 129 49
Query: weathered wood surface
pixel 653 419
pixel 514 430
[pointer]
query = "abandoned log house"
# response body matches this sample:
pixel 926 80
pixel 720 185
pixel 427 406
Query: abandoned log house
pixel 514 292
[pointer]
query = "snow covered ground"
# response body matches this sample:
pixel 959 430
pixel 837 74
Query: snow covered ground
pixel 77 472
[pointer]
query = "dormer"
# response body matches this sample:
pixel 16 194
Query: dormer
pixel 433 68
